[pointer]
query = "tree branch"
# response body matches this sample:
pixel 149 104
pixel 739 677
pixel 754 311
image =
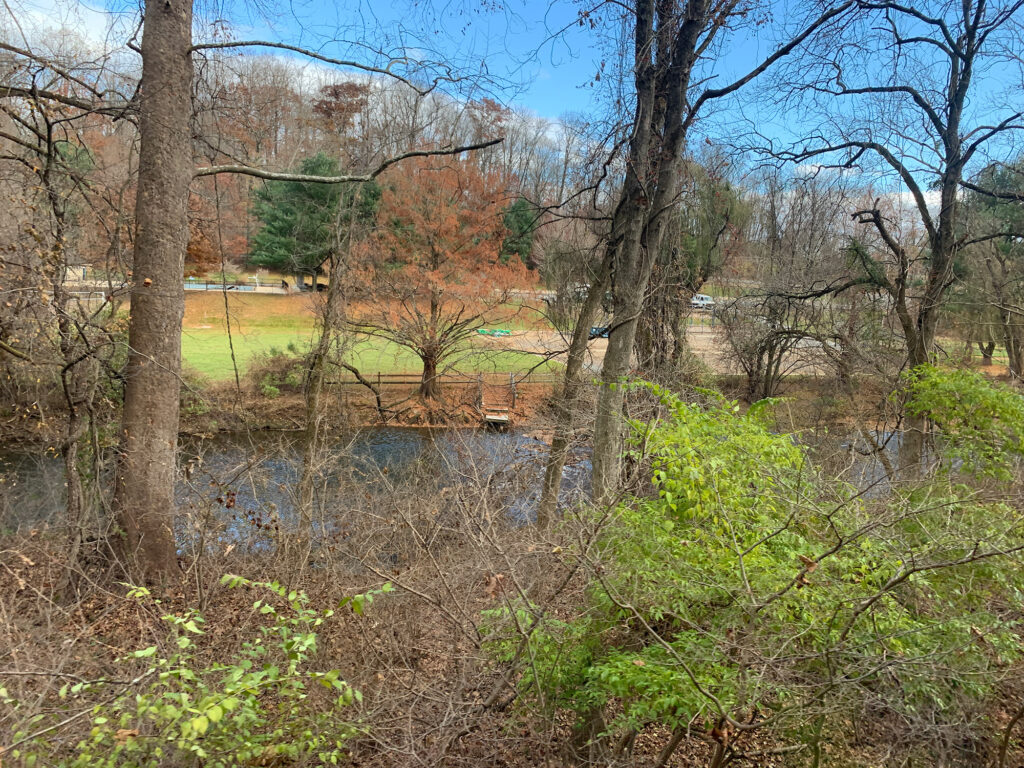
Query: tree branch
pixel 386 71
pixel 259 173
pixel 101 108
pixel 716 93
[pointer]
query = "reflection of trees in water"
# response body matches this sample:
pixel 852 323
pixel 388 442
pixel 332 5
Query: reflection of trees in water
pixel 32 489
pixel 241 488
pixel 361 475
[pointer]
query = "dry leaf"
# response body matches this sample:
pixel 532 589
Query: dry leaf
pixel 123 734
pixel 493 585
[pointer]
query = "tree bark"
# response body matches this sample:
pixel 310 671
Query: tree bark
pixel 572 387
pixel 144 486
pixel 665 50
pixel 430 388
pixel 987 351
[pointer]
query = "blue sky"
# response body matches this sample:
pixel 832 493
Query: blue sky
pixel 534 52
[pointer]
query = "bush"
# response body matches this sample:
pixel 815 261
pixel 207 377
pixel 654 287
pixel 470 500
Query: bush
pixel 258 708
pixel 751 593
pixel 279 371
pixel 981 423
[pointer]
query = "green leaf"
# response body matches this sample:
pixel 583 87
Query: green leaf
pixel 199 724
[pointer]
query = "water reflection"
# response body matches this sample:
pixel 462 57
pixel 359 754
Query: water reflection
pixel 249 481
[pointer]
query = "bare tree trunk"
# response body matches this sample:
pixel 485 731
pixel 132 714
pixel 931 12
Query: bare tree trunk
pixel 657 329
pixel 1011 343
pixel 986 352
pixel 430 388
pixel 314 386
pixel 144 487
pixel 76 384
pixel 571 389
pixel 331 319
pixel 650 188
pixel 678 734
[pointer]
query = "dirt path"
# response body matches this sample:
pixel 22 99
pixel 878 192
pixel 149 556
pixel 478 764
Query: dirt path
pixel 707 343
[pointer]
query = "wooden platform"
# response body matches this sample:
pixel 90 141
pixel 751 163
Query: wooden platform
pixel 497 415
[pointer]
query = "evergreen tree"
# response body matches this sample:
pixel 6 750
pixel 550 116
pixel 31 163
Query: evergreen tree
pixel 521 222
pixel 300 219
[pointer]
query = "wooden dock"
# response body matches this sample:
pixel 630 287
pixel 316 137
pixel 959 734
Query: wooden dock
pixel 495 415
pixel 497 402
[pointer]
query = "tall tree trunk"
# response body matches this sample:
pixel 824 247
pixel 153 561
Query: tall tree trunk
pixel 565 409
pixel 656 329
pixel 144 486
pixel 649 190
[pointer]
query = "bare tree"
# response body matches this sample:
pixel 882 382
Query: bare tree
pixel 62 149
pixel 895 88
pixel 669 42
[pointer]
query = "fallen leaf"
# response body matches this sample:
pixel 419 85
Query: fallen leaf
pixel 123 734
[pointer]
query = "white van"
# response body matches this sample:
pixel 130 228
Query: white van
pixel 702 301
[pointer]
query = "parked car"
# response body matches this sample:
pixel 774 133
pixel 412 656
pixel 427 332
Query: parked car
pixel 702 301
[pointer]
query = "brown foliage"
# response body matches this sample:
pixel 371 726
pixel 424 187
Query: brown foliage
pixel 434 265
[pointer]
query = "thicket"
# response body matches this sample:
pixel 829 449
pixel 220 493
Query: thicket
pixel 746 593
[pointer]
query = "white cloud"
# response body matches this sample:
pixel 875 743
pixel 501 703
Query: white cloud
pixel 809 170
pixel 63 23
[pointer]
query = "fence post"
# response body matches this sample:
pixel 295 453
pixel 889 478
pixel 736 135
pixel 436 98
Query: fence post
pixel 480 390
pixel 512 386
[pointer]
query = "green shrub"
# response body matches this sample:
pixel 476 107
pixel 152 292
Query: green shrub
pixel 751 592
pixel 279 371
pixel 981 423
pixel 258 708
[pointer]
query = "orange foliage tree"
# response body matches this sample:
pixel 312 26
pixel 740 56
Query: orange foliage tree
pixel 434 266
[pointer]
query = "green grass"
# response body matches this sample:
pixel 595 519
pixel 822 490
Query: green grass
pixel 207 353
pixel 261 324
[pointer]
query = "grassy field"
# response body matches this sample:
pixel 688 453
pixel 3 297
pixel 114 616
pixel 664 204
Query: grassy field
pixel 262 323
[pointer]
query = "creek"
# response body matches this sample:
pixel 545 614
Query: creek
pixel 255 474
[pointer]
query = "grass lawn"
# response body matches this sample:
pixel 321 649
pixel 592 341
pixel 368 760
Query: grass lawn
pixel 260 323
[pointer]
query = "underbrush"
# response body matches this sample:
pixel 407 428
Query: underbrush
pixel 120 671
pixel 738 606
pixel 277 371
